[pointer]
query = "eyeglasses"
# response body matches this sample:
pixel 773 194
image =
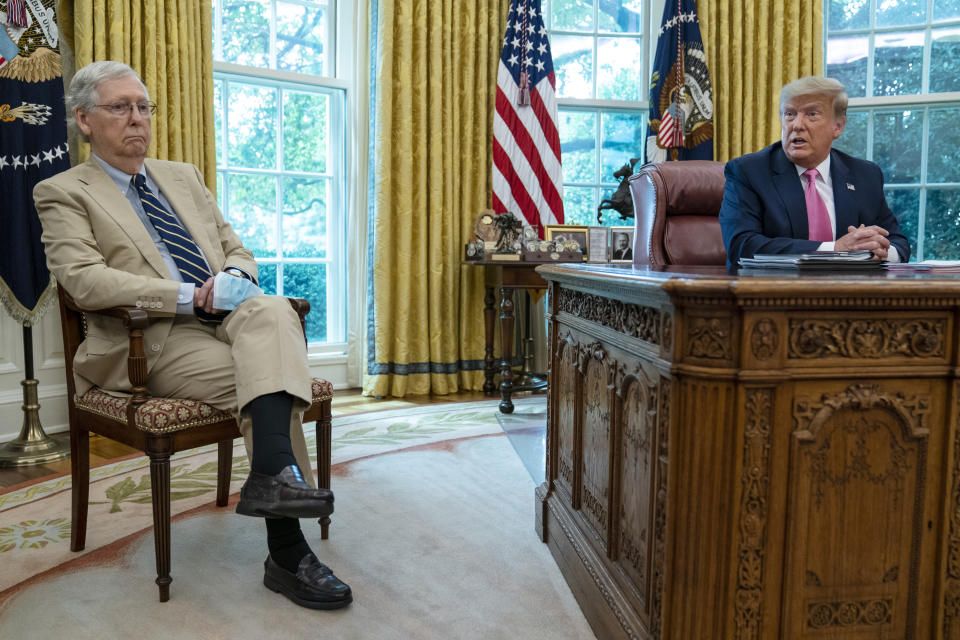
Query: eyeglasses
pixel 123 109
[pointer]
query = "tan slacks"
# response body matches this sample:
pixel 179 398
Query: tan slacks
pixel 258 349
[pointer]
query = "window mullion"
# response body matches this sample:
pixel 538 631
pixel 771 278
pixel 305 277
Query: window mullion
pixel 922 200
pixel 279 181
pixel 272 62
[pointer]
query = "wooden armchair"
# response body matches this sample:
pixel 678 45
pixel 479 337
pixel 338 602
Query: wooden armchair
pixel 159 427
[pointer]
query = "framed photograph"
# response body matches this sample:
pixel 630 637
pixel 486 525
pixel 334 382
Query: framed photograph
pixel 571 237
pixel 621 244
pixel 598 241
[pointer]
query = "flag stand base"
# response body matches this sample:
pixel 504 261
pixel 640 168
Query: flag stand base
pixel 32 446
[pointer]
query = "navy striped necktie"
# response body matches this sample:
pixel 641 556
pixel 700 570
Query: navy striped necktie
pixel 184 251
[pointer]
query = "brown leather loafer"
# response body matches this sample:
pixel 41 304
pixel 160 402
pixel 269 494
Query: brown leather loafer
pixel 313 585
pixel 285 495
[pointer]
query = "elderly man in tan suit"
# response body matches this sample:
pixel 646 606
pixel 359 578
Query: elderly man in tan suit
pixel 122 229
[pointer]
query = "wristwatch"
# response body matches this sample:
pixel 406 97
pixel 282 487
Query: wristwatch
pixel 236 272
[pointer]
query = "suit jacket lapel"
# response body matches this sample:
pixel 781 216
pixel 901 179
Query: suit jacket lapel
pixel 843 202
pixel 787 182
pixel 104 191
pixel 177 193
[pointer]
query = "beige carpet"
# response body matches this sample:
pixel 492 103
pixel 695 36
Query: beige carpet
pixel 437 542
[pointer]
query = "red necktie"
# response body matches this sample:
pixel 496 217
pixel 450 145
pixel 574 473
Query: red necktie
pixel 818 218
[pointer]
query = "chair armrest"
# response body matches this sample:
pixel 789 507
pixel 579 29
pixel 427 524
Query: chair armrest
pixel 302 307
pixel 133 317
pixel 135 320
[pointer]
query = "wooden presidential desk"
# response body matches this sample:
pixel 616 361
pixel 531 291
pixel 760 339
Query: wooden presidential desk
pixel 762 456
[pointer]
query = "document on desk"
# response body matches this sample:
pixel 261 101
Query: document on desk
pixel 815 260
pixel 933 266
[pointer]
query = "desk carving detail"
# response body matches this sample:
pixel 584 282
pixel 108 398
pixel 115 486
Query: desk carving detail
pixel 951 598
pixel 597 374
pixel 638 394
pixel 631 319
pixel 863 446
pixel 755 489
pixel 660 507
pixel 823 615
pixel 567 373
pixel 866 338
pixel 710 338
pixel 764 339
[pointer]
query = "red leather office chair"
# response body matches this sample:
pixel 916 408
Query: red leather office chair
pixel 676 205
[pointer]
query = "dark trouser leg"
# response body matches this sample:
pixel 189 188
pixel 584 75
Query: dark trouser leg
pixel 286 542
pixel 272 450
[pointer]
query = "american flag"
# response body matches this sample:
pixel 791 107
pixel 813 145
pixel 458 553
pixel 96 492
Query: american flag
pixel 527 178
pixel 671 129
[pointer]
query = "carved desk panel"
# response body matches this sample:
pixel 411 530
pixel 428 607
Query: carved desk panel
pixel 754 457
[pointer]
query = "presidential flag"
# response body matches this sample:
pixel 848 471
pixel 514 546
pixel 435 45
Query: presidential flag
pixel 681 102
pixel 33 146
pixel 527 180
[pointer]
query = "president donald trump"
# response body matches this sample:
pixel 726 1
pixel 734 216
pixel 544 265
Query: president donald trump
pixel 800 195
pixel 122 229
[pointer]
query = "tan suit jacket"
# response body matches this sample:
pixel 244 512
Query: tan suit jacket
pixel 101 253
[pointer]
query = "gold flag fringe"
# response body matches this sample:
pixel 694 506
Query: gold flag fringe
pixel 44 64
pixel 24 316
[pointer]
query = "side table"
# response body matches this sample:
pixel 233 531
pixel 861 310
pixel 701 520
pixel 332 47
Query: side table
pixel 506 277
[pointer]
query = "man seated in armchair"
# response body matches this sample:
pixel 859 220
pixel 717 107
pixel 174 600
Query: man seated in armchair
pixel 122 229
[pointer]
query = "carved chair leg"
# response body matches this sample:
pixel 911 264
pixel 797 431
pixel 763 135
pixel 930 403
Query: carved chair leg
pixel 224 469
pixel 324 428
pixel 159 450
pixel 79 486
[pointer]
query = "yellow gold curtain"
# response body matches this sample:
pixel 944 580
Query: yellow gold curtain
pixel 169 43
pixel 436 82
pixel 754 47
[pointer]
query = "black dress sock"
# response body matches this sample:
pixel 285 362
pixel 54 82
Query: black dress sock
pixel 286 542
pixel 272 451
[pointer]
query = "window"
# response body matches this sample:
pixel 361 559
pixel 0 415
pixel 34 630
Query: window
pixel 281 152
pixel 600 57
pixel 900 62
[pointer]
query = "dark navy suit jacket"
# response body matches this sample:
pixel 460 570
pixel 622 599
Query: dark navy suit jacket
pixel 764 210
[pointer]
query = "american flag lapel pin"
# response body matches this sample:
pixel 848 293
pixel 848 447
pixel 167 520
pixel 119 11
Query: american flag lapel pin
pixel 851 187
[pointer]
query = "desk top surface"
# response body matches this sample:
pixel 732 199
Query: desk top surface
pixel 693 279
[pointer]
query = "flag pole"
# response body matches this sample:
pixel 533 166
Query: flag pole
pixel 32 446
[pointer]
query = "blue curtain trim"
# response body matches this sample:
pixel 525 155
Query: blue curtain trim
pixel 371 181
pixel 413 368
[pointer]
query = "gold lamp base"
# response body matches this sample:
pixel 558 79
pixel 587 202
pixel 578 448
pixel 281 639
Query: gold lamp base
pixel 33 446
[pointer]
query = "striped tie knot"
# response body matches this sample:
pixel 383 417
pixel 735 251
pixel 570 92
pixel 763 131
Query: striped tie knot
pixel 184 251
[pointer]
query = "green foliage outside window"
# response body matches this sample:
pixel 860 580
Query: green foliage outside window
pixel 274 151
pixel 900 50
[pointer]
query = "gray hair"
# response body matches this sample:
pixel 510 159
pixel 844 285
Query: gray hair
pixel 83 88
pixel 814 85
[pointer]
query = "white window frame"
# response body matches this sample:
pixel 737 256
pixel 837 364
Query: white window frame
pixel 920 102
pixel 653 11
pixel 339 20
